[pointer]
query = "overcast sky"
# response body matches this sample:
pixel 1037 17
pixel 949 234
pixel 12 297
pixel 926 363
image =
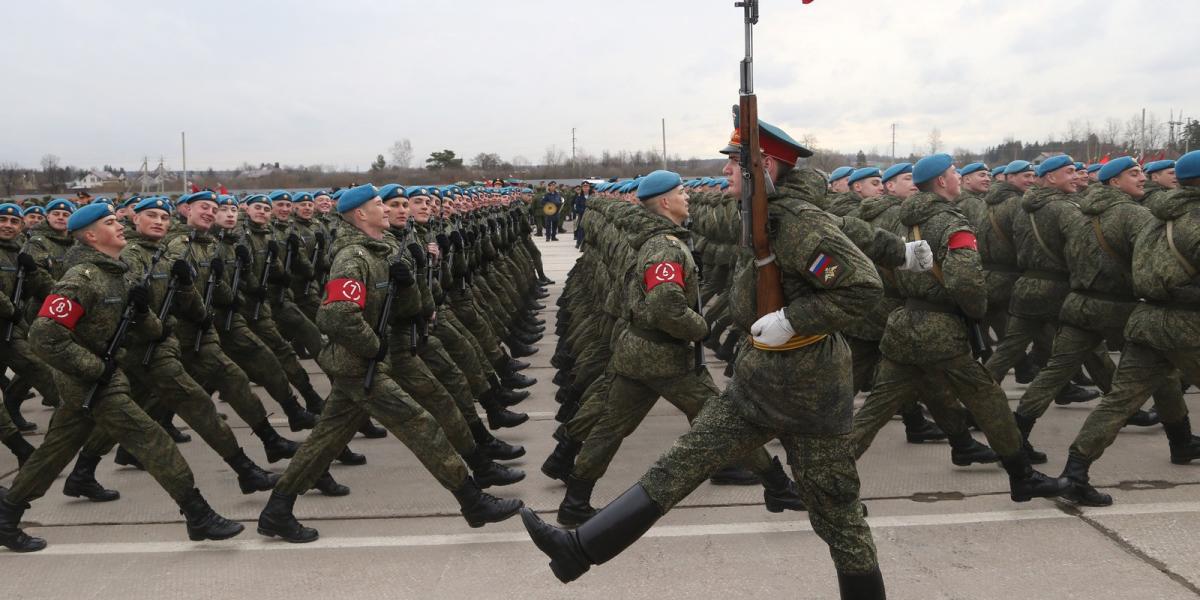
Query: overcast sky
pixel 335 83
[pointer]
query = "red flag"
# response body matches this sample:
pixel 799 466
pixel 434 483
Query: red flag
pixel 1107 157
pixel 223 190
pixel 195 188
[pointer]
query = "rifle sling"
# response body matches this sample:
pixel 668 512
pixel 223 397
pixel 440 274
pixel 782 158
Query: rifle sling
pixel 996 227
pixel 1108 249
pixel 1179 257
pixel 1042 243
pixel 915 234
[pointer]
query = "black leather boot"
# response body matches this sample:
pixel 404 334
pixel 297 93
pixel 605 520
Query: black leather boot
pixel 203 523
pixel 1071 394
pixel 780 493
pixel 965 451
pixel 488 472
pixel 568 407
pixel 277 520
pixel 20 447
pixel 251 478
pixel 576 507
pixel 125 459
pixel 329 487
pixel 298 418
pixel 1144 418
pixel 1080 491
pixel 562 378
pixel 508 397
pixel 734 475
pixel 866 586
pixel 351 458
pixel 168 424
pixel 1185 447
pixel 1026 484
pixel 480 508
pixel 609 532
pixel 499 417
pixel 492 447
pixel 562 359
pixel 516 381
pixel 918 429
pixel 313 402
pixel 13 399
pixel 372 431
pixel 562 459
pixel 513 365
pixel 1025 426
pixel 81 483
pixel 1025 371
pixel 524 338
pixel 11 536
pixel 519 350
pixel 276 446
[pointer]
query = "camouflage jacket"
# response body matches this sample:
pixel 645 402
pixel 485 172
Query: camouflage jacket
pixel 955 287
pixel 36 286
pixel 994 228
pixel 203 251
pixel 1039 231
pixel 139 254
pixel 973 206
pixel 260 238
pixel 883 213
pixel 49 248
pixel 1168 319
pixel 314 245
pixel 301 268
pixel 844 203
pixel 828 283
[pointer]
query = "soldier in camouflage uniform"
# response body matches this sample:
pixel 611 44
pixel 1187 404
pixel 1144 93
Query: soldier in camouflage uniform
pixel 1161 333
pixel 73 332
pixel 297 270
pixel 975 182
pixel 1161 179
pixel 793 383
pixel 925 343
pixel 361 276
pixel 16 352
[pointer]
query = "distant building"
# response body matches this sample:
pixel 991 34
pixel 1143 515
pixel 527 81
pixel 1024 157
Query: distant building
pixel 95 179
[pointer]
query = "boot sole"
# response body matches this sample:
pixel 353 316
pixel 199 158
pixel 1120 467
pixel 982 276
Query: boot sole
pixel 967 463
pixel 572 520
pixel 197 536
pixel 487 483
pixel 80 495
pixel 923 439
pixel 477 523
pixel 290 540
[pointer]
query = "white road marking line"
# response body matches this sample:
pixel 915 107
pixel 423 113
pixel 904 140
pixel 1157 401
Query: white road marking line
pixel 666 531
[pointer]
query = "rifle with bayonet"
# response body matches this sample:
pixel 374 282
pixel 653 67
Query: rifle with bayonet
pixel 17 293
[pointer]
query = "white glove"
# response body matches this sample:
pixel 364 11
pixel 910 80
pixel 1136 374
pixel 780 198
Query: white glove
pixel 918 257
pixel 772 329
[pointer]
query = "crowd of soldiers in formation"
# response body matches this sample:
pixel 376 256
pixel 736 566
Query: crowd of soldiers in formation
pixel 124 316
pixel 418 302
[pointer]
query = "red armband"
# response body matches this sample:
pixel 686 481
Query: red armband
pixel 663 272
pixel 62 310
pixel 345 290
pixel 962 239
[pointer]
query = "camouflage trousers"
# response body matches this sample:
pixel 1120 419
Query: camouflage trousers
pixel 165 382
pixel 419 382
pixel 1142 371
pixel 117 416
pixel 19 356
pixel 464 350
pixel 939 383
pixel 7 429
pixel 1018 335
pixel 822 465
pixel 347 407
pixel 256 360
pixel 293 325
pixel 473 321
pixel 435 357
pixel 591 408
pixel 630 400
pixel 1073 347
pixel 594 357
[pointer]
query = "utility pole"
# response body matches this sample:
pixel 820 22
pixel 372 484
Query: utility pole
pixel 1172 123
pixel 893 143
pixel 574 165
pixel 183 142
pixel 664 135
pixel 1142 153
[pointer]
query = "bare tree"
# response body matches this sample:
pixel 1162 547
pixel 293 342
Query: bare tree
pixel 10 176
pixel 935 140
pixel 486 161
pixel 54 175
pixel 402 153
pixel 1111 132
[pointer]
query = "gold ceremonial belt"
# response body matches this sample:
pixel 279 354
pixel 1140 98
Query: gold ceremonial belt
pixel 797 341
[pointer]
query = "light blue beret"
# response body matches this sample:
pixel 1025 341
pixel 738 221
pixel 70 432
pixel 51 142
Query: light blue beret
pixel 1054 163
pixel 1092 168
pixel 723 182
pixel 83 217
pixel 1018 166
pixel 658 183
pixel 227 200
pixel 356 197
pixel 34 210
pixel 278 195
pixel 1158 165
pixel 153 202
pixel 1117 166
pixel 202 195
pixel 1079 166
pixel 302 197
pixel 897 169
pixel 1188 165
pixel 391 190
pixel 863 173
pixel 8 209
pixel 338 194
pixel 999 170
pixel 839 173
pixel 414 192
pixel 257 199
pixel 131 201
pixel 931 167
pixel 60 204
pixel 971 168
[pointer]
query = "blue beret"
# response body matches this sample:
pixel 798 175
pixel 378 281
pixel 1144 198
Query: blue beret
pixel 1054 163
pixel 319 193
pixel 131 201
pixel 1158 165
pixel 8 209
pixel 227 200
pixel 723 182
pixel 414 192
pixel 1092 168
pixel 257 199
pixel 103 200
pixel 302 197
pixel 1018 166
pixel 60 204
pixel 971 168
pixel 1188 165
pixel 278 195
pixel 202 195
pixel 391 190
pixel 1116 166
pixel 839 173
pixel 658 183
pixel 436 191
pixel 87 215
pixel 1079 166
pixel 34 210
pixel 338 194
pixel 356 197
pixel 629 186
pixel 897 169
pixel 863 173
pixel 154 202
pixel 931 167
pixel 999 170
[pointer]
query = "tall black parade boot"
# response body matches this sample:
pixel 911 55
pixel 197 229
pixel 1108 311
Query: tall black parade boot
pixel 81 483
